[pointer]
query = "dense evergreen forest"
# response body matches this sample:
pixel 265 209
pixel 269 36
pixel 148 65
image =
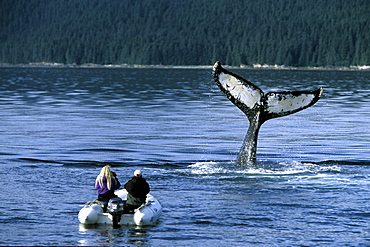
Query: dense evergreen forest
pixel 186 32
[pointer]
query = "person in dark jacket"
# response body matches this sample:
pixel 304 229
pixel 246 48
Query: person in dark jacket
pixel 137 189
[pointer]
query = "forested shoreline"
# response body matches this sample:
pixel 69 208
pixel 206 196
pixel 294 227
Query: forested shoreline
pixel 140 66
pixel 302 33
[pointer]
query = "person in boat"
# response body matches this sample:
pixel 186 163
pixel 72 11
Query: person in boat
pixel 137 188
pixel 106 183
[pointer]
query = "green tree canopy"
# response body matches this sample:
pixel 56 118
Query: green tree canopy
pixel 186 32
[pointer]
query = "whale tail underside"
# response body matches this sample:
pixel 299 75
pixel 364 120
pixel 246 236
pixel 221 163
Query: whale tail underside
pixel 259 107
pixel 251 99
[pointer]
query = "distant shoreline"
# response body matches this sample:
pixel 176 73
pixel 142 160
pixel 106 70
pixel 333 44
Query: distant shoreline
pixel 137 66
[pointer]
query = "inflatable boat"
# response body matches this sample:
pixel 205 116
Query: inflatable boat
pixel 147 214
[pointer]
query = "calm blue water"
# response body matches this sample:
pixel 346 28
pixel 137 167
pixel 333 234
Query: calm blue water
pixel 58 127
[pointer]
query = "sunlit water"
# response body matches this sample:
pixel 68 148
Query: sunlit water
pixel 60 126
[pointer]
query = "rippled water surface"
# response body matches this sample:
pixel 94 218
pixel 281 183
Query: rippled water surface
pixel 60 126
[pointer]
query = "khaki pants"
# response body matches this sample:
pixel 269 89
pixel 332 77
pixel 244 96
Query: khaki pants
pixel 134 201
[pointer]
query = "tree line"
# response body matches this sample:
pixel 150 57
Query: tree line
pixel 186 32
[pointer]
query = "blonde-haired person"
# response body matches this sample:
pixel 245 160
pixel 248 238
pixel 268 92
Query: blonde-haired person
pixel 106 183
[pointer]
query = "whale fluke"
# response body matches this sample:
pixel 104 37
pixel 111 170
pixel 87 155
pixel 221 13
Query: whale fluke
pixel 259 107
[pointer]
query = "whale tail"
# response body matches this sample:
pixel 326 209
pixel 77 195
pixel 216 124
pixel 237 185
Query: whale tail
pixel 259 107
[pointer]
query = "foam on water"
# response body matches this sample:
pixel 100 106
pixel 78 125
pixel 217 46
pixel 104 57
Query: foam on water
pixel 281 168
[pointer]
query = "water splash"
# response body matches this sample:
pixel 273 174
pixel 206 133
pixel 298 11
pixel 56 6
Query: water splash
pixel 264 169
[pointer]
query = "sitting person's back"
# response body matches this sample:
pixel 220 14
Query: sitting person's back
pixel 106 183
pixel 137 189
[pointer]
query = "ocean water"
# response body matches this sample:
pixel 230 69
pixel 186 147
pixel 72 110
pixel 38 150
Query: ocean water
pixel 59 126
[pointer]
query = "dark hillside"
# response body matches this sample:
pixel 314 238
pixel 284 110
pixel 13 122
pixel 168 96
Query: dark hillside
pixel 186 32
